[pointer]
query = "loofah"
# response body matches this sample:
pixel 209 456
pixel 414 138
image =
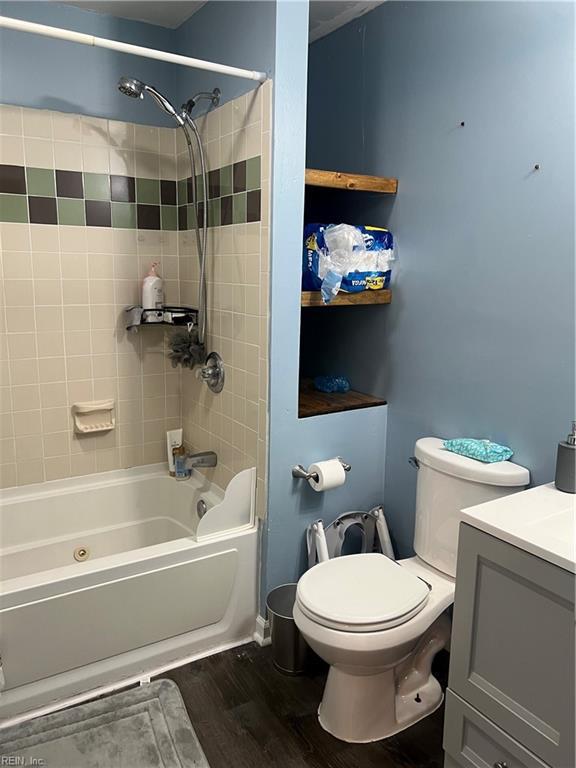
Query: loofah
pixel 185 349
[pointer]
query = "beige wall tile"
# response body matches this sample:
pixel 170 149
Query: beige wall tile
pixel 20 320
pixel 47 292
pixel 66 127
pixel 52 369
pixel 66 288
pixel 57 467
pixel 23 372
pixel 11 120
pixel 68 155
pixel 12 150
pixel 39 153
pixel 30 471
pixel 37 123
pixel 53 395
pixel 25 398
pixel 55 419
pixel 16 265
pixel 15 237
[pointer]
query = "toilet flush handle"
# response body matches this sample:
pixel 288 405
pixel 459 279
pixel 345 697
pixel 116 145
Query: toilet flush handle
pixel 413 461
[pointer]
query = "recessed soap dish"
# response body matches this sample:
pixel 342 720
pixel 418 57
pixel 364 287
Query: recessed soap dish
pixel 94 416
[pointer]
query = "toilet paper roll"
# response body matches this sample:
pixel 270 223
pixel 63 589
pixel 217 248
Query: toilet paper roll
pixel 330 473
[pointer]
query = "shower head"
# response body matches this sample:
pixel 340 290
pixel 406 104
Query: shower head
pixel 129 86
pixel 134 88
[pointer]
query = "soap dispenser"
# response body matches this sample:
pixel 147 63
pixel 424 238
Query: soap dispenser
pixel 566 463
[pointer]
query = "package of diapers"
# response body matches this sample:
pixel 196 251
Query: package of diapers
pixel 342 257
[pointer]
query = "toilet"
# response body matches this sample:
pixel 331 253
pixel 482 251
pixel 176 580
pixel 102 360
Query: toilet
pixel 379 623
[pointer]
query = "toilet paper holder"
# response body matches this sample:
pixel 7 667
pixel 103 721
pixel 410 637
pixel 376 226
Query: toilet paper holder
pixel 302 473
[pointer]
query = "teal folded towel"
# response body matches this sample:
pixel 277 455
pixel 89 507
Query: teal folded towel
pixel 481 450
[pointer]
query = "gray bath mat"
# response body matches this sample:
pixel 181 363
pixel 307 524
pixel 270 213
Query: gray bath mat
pixel 145 727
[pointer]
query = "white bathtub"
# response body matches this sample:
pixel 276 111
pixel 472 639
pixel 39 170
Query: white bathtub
pixel 159 583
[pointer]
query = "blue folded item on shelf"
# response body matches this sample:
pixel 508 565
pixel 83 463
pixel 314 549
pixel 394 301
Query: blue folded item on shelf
pixel 377 242
pixel 331 384
pixel 481 450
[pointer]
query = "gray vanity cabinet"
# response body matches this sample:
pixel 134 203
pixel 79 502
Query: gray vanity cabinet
pixel 511 684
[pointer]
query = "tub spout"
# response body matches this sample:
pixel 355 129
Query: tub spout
pixel 201 460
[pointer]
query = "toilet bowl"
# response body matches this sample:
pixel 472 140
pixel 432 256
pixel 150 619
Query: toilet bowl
pixel 378 624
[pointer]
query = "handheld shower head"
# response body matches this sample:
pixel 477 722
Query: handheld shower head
pixel 134 88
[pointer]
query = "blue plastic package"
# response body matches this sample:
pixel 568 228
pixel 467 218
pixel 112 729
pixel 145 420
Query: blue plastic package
pixel 481 450
pixel 332 384
pixel 377 242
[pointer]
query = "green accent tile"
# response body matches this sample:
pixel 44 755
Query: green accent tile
pixel 148 191
pixel 96 186
pixel 191 217
pixel 182 192
pixel 71 212
pixel 169 217
pixel 14 208
pixel 253 173
pixel 40 182
pixel 239 208
pixel 226 181
pixel 214 212
pixel 124 215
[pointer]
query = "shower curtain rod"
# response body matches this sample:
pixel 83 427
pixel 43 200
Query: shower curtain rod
pixel 137 50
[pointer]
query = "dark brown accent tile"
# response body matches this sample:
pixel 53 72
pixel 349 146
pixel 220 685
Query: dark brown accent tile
pixel 253 205
pixel 239 175
pixel 190 189
pixel 182 218
pixel 201 213
pixel 123 189
pixel 69 184
pixel 42 210
pixel 168 192
pixel 226 210
pixel 214 183
pixel 98 213
pixel 148 216
pixel 13 179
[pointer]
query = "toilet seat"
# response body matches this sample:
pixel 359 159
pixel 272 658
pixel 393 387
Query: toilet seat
pixel 361 593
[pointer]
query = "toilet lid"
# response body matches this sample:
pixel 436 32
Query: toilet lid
pixel 361 593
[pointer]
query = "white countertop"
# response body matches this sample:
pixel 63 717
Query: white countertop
pixel 540 521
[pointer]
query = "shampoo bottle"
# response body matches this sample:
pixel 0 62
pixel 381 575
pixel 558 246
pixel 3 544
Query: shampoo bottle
pixel 566 463
pixel 153 294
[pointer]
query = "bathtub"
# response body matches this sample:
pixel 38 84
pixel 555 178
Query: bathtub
pixel 111 577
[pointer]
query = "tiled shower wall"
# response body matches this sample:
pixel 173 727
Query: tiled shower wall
pixel 234 423
pixel 85 205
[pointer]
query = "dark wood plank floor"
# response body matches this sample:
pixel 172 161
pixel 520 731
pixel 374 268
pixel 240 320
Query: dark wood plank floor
pixel 248 715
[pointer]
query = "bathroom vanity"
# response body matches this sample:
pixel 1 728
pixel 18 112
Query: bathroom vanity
pixel 510 701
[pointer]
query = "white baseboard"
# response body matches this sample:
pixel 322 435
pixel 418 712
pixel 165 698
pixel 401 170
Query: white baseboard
pixel 262 632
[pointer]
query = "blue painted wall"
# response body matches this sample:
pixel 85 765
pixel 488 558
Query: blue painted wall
pixel 357 436
pixel 238 33
pixel 479 339
pixel 52 74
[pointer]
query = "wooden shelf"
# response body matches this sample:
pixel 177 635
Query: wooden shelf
pixel 314 299
pixel 352 181
pixel 314 403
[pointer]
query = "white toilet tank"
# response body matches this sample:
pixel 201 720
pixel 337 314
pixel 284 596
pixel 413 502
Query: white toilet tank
pixel 448 483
